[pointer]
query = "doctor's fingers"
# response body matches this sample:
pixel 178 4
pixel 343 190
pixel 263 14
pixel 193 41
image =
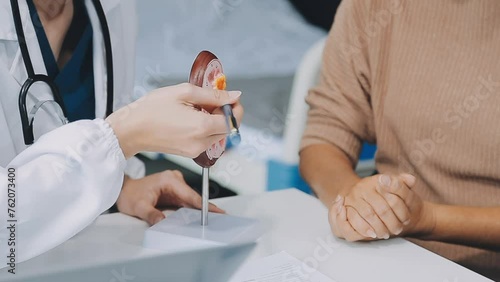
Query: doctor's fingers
pixel 238 112
pixel 214 127
pixel 146 211
pixel 207 98
pixel 184 195
pixel 196 203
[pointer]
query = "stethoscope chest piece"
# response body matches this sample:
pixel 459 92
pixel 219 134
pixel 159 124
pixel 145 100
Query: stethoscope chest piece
pixel 27 120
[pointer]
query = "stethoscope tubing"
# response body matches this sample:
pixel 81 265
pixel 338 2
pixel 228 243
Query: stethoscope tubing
pixel 34 78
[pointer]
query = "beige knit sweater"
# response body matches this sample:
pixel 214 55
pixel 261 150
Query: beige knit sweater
pixel 421 78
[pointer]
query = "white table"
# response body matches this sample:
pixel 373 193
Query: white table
pixel 297 224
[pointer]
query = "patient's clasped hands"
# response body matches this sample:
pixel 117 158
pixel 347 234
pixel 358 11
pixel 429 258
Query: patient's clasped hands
pixel 380 207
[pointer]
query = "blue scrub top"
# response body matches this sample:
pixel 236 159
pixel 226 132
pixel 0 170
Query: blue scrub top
pixel 76 79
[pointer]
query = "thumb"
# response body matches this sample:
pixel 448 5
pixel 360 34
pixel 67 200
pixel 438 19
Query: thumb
pixel 211 98
pixel 149 213
pixel 408 179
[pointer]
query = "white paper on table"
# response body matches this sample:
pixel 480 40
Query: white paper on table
pixel 280 267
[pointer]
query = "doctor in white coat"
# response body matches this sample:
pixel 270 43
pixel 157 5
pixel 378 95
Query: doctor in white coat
pixel 56 187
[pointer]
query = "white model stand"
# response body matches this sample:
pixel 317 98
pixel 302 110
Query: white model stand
pixel 182 231
pixel 186 230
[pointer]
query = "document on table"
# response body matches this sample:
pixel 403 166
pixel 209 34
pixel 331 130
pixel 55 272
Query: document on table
pixel 280 267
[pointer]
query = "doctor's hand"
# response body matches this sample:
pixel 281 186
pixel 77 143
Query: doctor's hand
pixel 379 207
pixel 167 120
pixel 142 197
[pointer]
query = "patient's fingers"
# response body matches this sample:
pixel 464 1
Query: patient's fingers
pixel 394 185
pixel 359 223
pixel 340 225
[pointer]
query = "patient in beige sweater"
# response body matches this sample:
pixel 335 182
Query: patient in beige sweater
pixel 421 79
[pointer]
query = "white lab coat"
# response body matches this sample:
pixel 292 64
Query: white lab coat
pixel 75 172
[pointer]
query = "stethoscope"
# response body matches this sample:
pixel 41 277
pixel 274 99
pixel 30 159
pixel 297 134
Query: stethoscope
pixel 26 121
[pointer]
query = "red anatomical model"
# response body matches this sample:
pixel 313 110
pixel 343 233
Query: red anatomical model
pixel 207 72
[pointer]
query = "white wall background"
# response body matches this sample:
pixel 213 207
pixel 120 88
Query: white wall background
pixel 253 38
pixel 260 44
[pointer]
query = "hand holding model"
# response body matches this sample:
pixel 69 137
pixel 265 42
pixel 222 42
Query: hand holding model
pixel 193 126
pixel 167 121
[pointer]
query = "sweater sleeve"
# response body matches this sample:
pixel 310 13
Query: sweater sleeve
pixel 340 106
